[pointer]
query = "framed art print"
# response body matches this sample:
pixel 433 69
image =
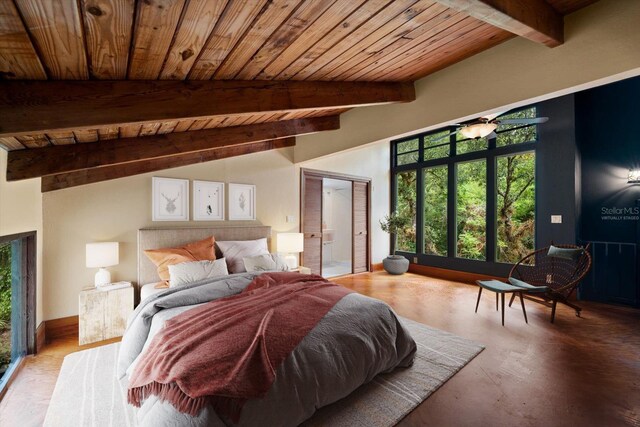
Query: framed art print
pixel 242 202
pixel 170 199
pixel 208 201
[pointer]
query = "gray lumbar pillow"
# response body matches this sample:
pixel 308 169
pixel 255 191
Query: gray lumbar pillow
pixel 565 253
pixel 189 272
pixel 265 262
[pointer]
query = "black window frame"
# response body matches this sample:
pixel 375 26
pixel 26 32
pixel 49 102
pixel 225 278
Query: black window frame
pixel 488 266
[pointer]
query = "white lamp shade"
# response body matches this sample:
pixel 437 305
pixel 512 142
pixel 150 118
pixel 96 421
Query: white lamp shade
pixel 103 254
pixel 290 242
pixel 479 130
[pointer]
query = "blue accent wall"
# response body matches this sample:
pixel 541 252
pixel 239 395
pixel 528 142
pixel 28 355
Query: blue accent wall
pixel 608 139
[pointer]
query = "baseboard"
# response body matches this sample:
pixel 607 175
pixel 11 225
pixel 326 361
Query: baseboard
pixel 41 337
pixel 377 267
pixel 61 328
pixel 451 275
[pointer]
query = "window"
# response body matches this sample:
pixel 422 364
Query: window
pixel 471 207
pixel 469 200
pixel 406 206
pixel 435 210
pixel 515 208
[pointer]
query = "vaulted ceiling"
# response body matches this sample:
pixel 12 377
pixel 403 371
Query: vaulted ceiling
pixel 308 59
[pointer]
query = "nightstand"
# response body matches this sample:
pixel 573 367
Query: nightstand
pixel 103 313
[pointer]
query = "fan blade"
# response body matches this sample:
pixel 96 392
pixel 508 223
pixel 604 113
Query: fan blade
pixel 447 135
pixel 522 121
pixel 492 135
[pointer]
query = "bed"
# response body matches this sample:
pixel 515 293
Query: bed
pixel 358 338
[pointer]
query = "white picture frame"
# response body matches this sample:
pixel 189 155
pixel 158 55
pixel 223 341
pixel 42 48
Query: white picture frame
pixel 242 202
pixel 170 199
pixel 208 201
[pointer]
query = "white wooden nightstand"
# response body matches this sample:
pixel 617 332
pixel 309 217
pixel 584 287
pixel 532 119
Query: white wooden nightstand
pixel 302 270
pixel 103 313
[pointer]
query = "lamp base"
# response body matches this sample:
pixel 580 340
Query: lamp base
pixel 103 277
pixel 292 261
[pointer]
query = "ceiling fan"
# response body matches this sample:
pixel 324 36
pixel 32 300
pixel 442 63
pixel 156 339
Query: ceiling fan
pixel 485 126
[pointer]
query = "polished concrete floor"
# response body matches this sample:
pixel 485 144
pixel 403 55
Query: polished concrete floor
pixel 577 372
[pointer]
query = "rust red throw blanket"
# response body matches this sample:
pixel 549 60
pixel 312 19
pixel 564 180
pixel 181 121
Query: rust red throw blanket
pixel 227 351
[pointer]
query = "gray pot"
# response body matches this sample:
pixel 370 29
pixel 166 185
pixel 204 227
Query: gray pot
pixel 395 264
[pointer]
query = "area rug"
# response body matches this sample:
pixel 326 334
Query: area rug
pixel 88 394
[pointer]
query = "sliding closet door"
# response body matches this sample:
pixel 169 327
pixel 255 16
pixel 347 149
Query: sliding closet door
pixel 312 223
pixel 360 227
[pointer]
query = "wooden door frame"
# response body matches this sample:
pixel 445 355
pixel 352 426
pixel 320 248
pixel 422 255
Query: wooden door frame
pixel 305 172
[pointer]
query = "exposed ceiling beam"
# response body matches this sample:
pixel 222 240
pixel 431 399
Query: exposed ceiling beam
pixel 39 107
pixel 535 20
pixel 24 164
pixel 88 176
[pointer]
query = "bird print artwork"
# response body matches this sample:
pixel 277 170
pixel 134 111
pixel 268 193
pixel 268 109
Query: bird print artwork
pixel 242 201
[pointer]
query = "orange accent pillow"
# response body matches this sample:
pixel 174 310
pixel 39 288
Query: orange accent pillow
pixel 195 251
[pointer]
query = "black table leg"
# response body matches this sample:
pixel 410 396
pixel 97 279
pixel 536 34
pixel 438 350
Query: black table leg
pixel 523 309
pixel 479 293
pixel 502 308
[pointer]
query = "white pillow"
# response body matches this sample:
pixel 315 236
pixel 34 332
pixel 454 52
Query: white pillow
pixel 188 272
pixel 236 251
pixel 265 262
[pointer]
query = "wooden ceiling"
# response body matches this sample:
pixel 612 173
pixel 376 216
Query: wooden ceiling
pixel 244 40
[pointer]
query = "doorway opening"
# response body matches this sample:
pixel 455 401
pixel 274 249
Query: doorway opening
pixel 336 227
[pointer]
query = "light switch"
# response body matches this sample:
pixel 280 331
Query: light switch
pixel 556 219
pixel 291 218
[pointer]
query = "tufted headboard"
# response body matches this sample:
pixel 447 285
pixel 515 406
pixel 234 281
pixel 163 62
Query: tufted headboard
pixel 155 238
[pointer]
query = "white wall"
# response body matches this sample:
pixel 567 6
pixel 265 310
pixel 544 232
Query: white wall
pixel 21 211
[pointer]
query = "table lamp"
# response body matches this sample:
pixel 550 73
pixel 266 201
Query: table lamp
pixel 290 244
pixel 101 255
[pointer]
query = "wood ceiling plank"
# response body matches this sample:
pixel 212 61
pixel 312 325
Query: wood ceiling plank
pixel 429 33
pixel 183 125
pixel 199 124
pixel 306 24
pixel 10 143
pixel 283 68
pixel 108 132
pixel 268 21
pixel 155 25
pixel 88 176
pixel 167 127
pixel 234 22
pixel 535 20
pixel 108 25
pixel 483 38
pixel 34 141
pixel 86 135
pixel 454 41
pixel 215 122
pixel 57 31
pixel 149 129
pixel 372 30
pixel 197 24
pixel 69 158
pixel 130 131
pixel 32 107
pixel 420 25
pixel 61 138
pixel 18 57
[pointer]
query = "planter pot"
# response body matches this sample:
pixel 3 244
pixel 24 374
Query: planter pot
pixel 395 264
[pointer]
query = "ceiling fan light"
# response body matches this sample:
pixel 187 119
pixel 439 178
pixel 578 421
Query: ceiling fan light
pixel 478 130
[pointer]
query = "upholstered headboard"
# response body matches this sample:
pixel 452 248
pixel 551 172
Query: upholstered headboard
pixel 154 238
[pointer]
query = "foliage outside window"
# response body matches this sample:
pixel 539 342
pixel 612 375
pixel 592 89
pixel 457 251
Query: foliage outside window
pixel 406 207
pixel 459 184
pixel 435 210
pixel 5 307
pixel 515 207
pixel 471 206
